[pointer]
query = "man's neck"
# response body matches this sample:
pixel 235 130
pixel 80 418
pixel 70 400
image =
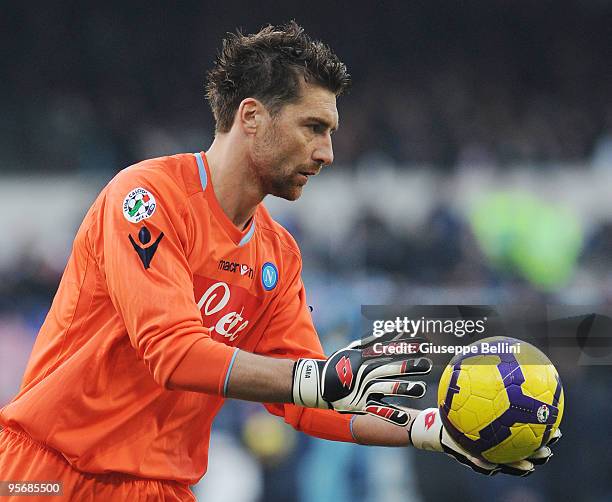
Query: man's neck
pixel 236 189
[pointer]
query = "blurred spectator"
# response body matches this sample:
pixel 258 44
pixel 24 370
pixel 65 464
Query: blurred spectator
pixel 467 83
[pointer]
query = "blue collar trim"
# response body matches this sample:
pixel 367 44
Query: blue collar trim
pixel 248 235
pixel 201 169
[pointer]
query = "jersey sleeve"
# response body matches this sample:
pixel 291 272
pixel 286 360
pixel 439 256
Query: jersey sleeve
pixel 143 244
pixel 291 334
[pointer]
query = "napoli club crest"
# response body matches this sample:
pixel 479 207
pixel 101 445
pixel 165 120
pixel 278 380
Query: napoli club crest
pixel 269 276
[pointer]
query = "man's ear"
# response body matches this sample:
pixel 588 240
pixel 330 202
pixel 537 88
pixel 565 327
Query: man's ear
pixel 251 112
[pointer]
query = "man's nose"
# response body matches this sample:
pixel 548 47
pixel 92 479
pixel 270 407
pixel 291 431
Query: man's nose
pixel 324 153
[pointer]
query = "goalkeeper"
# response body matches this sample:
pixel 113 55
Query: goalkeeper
pixel 181 291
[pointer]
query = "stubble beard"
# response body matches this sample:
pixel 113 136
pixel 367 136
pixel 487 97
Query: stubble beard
pixel 269 160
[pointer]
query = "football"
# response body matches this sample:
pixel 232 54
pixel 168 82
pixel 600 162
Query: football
pixel 501 401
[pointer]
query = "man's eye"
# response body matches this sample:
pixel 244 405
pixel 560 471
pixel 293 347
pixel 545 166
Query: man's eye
pixel 316 128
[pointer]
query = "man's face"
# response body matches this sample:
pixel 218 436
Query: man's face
pixel 295 143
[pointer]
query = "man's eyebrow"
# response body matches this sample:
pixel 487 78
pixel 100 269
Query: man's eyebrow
pixel 323 122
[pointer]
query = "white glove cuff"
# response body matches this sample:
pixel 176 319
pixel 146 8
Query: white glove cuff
pixel 306 384
pixel 425 430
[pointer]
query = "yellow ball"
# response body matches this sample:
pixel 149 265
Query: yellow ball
pixel 502 401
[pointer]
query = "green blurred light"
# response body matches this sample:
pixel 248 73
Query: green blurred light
pixel 520 233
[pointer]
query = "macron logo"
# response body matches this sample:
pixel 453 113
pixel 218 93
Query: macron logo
pixel 233 266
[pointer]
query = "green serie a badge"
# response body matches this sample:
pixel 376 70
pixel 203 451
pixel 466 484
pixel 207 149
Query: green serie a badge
pixel 138 205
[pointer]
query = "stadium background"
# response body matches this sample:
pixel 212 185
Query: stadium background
pixel 473 165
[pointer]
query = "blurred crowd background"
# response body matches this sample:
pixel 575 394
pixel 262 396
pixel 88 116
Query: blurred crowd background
pixel 473 166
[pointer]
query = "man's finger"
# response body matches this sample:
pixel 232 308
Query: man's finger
pixel 554 437
pixel 397 388
pixel 541 455
pixel 387 412
pixel 385 339
pixel 406 367
pixel 521 468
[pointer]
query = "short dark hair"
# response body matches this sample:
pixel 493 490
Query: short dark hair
pixel 269 66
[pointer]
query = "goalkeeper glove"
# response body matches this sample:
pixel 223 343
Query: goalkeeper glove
pixel 357 378
pixel 428 433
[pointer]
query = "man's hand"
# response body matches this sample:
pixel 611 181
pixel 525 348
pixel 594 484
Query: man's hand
pixel 357 378
pixel 428 433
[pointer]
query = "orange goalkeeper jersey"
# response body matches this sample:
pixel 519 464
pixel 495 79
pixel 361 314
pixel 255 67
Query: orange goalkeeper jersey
pixel 156 269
